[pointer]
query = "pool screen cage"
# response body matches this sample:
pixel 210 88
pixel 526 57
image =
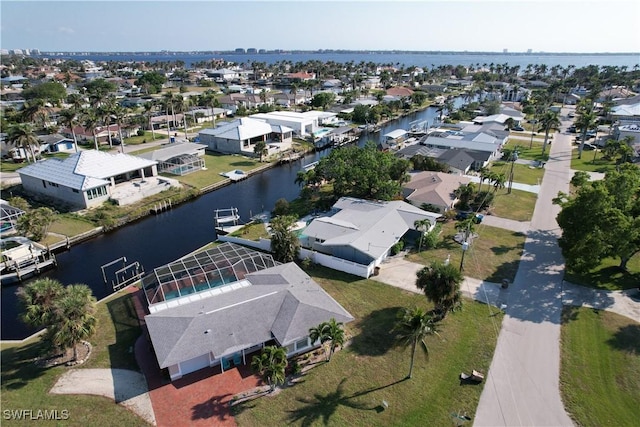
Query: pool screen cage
pixel 182 165
pixel 218 266
pixel 10 216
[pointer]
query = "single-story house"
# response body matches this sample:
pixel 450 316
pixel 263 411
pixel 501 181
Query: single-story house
pixel 56 143
pixel 86 135
pixel 84 179
pixel 241 135
pixel 434 188
pixel 218 306
pixel 479 141
pixel 363 231
pixel 181 158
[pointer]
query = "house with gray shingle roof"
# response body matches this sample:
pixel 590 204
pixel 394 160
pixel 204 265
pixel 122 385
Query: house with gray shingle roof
pixel 211 321
pixel 434 188
pixel 363 231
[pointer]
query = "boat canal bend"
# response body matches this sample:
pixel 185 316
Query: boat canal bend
pixel 159 239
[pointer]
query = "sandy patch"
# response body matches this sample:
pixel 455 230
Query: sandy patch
pixel 127 388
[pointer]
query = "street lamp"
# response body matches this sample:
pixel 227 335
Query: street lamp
pixel 465 246
pixel 513 158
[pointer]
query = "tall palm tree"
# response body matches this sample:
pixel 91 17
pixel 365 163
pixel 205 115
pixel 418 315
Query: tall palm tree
pixel 119 113
pixel 21 135
pixel 422 225
pixel 37 112
pixel 284 243
pixel 75 315
pixel 69 118
pixel 412 327
pixel 548 121
pixel 585 121
pixel 91 121
pixel 271 365
pixel 441 285
pixel 149 107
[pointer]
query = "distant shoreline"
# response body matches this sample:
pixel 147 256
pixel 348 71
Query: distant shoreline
pixel 332 51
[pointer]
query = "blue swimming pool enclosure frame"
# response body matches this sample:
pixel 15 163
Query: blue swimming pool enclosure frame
pixel 209 269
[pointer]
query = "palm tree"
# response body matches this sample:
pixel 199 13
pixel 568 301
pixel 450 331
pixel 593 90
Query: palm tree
pixel 331 331
pixel 119 113
pixel 69 118
pixel 21 136
pixel 441 285
pixel 485 174
pixel 498 180
pixel 75 317
pixel 271 365
pixel 464 194
pixel 284 243
pixel 148 113
pixel 36 111
pixel 548 121
pixel 412 327
pixel 91 121
pixel 260 148
pixel 422 225
pixel 39 299
pixel 585 121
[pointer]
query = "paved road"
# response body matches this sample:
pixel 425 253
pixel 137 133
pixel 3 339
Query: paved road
pixel 522 387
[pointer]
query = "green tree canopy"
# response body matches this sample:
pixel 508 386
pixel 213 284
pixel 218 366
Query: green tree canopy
pixel 323 99
pixel 363 172
pixel 35 223
pixel 602 220
pixel 52 92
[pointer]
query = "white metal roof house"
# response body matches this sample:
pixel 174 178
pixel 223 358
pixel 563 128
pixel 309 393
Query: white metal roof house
pixel 217 306
pixel 178 158
pixel 303 124
pixel 84 179
pixel 241 135
pixel 362 231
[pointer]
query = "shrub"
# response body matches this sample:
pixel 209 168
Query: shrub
pixel 140 132
pixel 395 249
pixel 281 207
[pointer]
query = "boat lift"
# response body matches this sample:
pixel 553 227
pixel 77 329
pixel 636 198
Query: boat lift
pixel 226 216
pixel 125 276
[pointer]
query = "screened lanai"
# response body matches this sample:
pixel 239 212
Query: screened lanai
pixel 181 165
pixel 222 265
pixel 9 217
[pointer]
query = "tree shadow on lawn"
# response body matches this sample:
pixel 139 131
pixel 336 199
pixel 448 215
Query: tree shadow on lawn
pixel 603 278
pixel 627 339
pixel 243 163
pixel 506 270
pixel 375 337
pixel 323 407
pixel 19 367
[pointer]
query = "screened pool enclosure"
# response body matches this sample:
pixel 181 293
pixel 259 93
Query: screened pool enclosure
pixel 181 165
pixel 204 271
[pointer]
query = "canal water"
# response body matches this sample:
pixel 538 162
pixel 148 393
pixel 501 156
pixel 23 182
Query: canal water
pixel 157 240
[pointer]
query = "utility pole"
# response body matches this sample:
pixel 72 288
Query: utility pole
pixel 465 246
pixel 514 157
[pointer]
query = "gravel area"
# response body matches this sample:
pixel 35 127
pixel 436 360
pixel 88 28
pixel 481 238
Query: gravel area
pixel 127 388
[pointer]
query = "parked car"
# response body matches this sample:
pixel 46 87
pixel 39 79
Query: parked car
pixel 588 146
pixel 461 215
pixel 517 128
pixel 572 129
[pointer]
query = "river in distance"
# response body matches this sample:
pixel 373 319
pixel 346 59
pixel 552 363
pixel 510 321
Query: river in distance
pixel 419 59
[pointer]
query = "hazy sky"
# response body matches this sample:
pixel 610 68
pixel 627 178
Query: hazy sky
pixel 481 25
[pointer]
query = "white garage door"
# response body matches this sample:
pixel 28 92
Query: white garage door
pixel 194 364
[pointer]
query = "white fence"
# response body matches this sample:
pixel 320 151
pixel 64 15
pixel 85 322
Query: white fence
pixel 329 261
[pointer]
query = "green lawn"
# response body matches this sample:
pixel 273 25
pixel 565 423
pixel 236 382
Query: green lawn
pixel 252 232
pixel 588 164
pixel 600 368
pixel 349 390
pixel 215 164
pixel 9 166
pixel 533 153
pixel 519 205
pixel 524 174
pixel 70 225
pixel 493 256
pixel 608 276
pixel 26 386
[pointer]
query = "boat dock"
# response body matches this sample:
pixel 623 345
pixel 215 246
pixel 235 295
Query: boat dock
pixel 17 272
pixel 235 175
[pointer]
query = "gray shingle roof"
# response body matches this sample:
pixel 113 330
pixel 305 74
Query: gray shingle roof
pixel 281 302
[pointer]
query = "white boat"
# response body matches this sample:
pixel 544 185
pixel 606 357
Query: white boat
pixel 23 258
